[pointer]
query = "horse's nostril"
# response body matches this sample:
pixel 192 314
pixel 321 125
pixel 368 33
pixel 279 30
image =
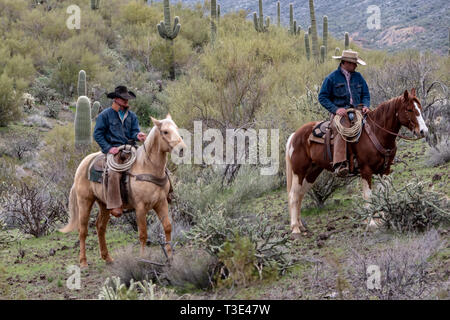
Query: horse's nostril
pixel 181 152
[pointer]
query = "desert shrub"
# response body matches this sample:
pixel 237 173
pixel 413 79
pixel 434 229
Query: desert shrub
pixel 9 108
pixel 145 107
pixel 113 289
pixel 213 229
pixel 32 207
pixel 53 108
pixel 325 185
pixel 189 269
pixel 22 142
pixel 7 173
pixel 41 90
pixel 239 261
pixel 404 268
pixel 410 208
pixel 36 120
pixel 439 154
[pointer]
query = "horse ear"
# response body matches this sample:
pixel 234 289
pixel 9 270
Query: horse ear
pixel 406 95
pixel 413 92
pixel 156 122
pixel 169 116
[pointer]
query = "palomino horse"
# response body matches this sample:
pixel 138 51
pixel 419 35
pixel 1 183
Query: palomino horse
pixel 374 154
pixel 151 158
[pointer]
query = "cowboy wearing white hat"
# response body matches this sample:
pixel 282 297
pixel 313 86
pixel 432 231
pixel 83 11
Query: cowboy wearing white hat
pixel 342 89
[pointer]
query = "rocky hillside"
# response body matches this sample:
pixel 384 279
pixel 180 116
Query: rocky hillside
pixel 415 24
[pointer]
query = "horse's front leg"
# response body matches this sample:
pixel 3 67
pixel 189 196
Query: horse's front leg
pixel 366 181
pixel 141 219
pixel 162 210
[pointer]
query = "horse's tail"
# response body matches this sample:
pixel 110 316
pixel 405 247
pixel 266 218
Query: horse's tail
pixel 73 211
pixel 288 165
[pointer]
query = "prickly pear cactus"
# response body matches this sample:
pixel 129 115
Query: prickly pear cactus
pixel 83 135
pixel 82 90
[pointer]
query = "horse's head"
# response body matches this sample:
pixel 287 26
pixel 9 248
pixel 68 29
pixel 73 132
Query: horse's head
pixel 170 138
pixel 410 114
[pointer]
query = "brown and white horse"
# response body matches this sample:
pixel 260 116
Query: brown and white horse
pixel 151 158
pixel 305 161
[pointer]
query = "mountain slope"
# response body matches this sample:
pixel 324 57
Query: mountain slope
pixel 415 24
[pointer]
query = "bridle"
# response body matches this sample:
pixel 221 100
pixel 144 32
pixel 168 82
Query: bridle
pixel 393 133
pixel 164 138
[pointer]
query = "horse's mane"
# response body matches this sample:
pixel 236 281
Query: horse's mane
pixel 385 108
pixel 148 143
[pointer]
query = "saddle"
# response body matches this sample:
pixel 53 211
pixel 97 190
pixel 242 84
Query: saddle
pixel 98 172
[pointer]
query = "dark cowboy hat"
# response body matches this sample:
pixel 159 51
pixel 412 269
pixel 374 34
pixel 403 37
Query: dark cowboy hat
pixel 121 92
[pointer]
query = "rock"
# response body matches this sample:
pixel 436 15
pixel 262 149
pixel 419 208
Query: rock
pixel 320 244
pixel 437 176
pixel 51 252
pixel 42 277
pixel 323 236
pixel 331 226
pixel 64 248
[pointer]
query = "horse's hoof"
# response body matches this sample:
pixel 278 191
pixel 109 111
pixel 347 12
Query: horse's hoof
pixel 109 260
pixel 83 265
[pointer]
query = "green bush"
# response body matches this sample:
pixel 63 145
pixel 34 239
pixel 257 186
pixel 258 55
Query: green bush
pixel 9 107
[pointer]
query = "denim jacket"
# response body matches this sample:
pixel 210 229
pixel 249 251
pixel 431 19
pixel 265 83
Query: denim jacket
pixel 334 93
pixel 110 131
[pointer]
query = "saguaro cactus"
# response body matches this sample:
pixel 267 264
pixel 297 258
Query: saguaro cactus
pixel 259 22
pixel 218 14
pixel 291 18
pixel 307 48
pixel 325 34
pixel 337 51
pixel 278 14
pixel 95 109
pixel 322 54
pixel 346 41
pixel 83 135
pixel 314 37
pixel 168 33
pixel 95 4
pixel 213 20
pixel 82 91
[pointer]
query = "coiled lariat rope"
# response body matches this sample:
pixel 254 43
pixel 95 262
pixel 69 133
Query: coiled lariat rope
pixel 121 167
pixel 349 134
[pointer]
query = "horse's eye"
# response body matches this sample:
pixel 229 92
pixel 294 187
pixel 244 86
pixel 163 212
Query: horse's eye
pixel 165 132
pixel 409 110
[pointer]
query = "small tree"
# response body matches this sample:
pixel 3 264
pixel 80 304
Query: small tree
pixel 9 107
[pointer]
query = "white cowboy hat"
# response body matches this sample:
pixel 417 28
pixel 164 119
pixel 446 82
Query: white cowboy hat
pixel 350 56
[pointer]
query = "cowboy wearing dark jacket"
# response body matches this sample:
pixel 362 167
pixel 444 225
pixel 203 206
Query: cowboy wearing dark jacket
pixel 342 89
pixel 115 127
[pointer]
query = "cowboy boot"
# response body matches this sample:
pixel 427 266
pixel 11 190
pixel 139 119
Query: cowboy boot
pixel 341 169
